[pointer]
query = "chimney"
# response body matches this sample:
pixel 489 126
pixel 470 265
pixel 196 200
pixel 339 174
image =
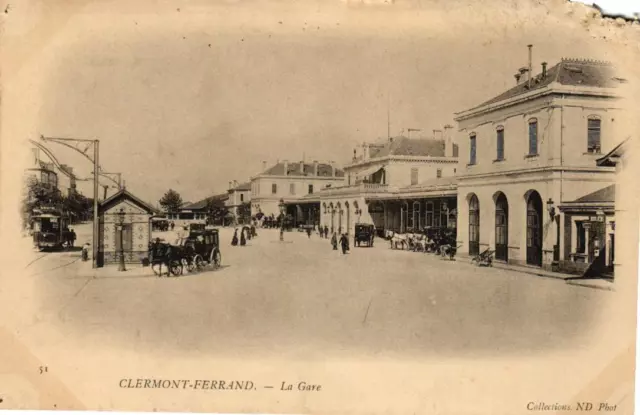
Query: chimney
pixel 286 167
pixel 544 70
pixel 235 184
pixel 365 151
pixel 264 165
pixel 530 68
pixel 517 76
pixel 333 169
pixel 302 167
pixel 315 167
pixel 437 134
pixel 448 141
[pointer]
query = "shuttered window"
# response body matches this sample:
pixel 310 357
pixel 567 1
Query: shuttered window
pixel 593 135
pixel 500 143
pixel 472 149
pixel 414 176
pixel 439 173
pixel 533 137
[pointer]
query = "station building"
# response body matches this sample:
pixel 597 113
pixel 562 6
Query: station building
pixel 529 165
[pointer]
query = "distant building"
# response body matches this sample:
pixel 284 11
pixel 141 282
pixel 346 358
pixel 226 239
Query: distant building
pixel 197 212
pixel 530 150
pixel 290 181
pixel 239 201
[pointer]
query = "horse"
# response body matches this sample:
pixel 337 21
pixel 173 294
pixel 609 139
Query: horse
pixel 163 253
pixel 396 239
pixel 420 243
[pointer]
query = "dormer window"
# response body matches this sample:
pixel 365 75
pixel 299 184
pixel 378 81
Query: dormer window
pixel 593 134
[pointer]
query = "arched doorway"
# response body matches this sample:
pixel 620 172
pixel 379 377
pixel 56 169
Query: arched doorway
pixel 340 212
pixel 502 227
pixel 534 229
pixel 346 207
pixel 332 211
pixel 404 216
pixel 474 225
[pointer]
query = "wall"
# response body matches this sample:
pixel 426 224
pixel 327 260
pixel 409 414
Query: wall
pixel 399 171
pixel 141 226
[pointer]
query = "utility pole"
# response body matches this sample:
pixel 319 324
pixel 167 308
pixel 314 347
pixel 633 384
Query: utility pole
pixel 67 142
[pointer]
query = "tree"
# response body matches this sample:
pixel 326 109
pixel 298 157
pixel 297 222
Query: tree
pixel 217 210
pixel 244 212
pixel 171 201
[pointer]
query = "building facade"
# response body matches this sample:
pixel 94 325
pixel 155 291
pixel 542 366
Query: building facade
pixel 402 184
pixel 528 151
pixel 290 182
pixel 239 202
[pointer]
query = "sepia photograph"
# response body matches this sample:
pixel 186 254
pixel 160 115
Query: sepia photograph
pixel 348 207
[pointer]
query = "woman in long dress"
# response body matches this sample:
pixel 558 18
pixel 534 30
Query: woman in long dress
pixel 234 241
pixel 243 240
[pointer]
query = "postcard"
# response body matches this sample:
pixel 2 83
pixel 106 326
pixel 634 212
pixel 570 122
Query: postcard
pixel 323 207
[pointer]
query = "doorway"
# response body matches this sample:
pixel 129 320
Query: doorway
pixel 534 229
pixel 502 228
pixel 474 226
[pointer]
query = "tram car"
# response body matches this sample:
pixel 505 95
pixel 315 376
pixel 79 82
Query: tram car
pixel 51 230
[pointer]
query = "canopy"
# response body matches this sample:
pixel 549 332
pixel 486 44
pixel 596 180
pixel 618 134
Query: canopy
pixel 369 171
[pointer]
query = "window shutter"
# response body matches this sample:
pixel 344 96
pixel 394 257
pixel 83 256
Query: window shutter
pixel 500 145
pixel 593 137
pixel 472 148
pixel 533 138
pixel 414 176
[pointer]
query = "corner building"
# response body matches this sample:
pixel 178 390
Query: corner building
pixel 529 150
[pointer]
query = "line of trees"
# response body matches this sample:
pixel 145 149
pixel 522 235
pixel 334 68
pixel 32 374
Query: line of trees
pixel 38 195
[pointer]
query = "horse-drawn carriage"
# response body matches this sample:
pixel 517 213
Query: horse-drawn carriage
pixel 439 241
pixel 194 253
pixel 364 233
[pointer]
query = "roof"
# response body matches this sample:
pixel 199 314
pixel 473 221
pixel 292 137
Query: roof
pixel 569 72
pixel 324 170
pixel 202 204
pixel 243 187
pixel 433 183
pixel 606 194
pixel 404 146
pixel 610 159
pixel 124 193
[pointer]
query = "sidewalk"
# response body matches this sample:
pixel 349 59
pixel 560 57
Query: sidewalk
pixel 522 268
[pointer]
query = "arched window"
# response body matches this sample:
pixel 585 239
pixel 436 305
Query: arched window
pixel 593 134
pixel 429 214
pixel 416 216
pixel 324 207
pixel 500 143
pixel 533 137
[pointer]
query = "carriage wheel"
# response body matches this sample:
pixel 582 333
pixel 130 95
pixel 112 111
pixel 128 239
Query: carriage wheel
pixel 176 268
pixel 217 259
pixel 190 264
pixel 198 262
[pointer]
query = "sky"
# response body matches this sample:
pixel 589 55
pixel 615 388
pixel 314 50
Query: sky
pixel 193 95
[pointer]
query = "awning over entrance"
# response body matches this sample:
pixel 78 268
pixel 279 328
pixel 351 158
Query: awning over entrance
pixel 369 171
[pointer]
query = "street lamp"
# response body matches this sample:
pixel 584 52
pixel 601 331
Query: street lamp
pixel 121 216
pixel 281 205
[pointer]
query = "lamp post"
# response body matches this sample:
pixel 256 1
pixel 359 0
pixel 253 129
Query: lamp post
pixel 281 205
pixel 121 216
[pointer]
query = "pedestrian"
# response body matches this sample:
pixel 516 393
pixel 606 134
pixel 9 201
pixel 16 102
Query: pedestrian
pixel 344 243
pixel 334 242
pixel 85 251
pixel 172 225
pixel 326 231
pixel 234 241
pixel 243 240
pixel 309 232
pixel 73 237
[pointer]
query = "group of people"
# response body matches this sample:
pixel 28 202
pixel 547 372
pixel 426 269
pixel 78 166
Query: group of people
pixel 344 242
pixel 245 234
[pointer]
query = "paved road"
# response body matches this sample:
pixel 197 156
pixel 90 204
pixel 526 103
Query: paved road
pixel 289 298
